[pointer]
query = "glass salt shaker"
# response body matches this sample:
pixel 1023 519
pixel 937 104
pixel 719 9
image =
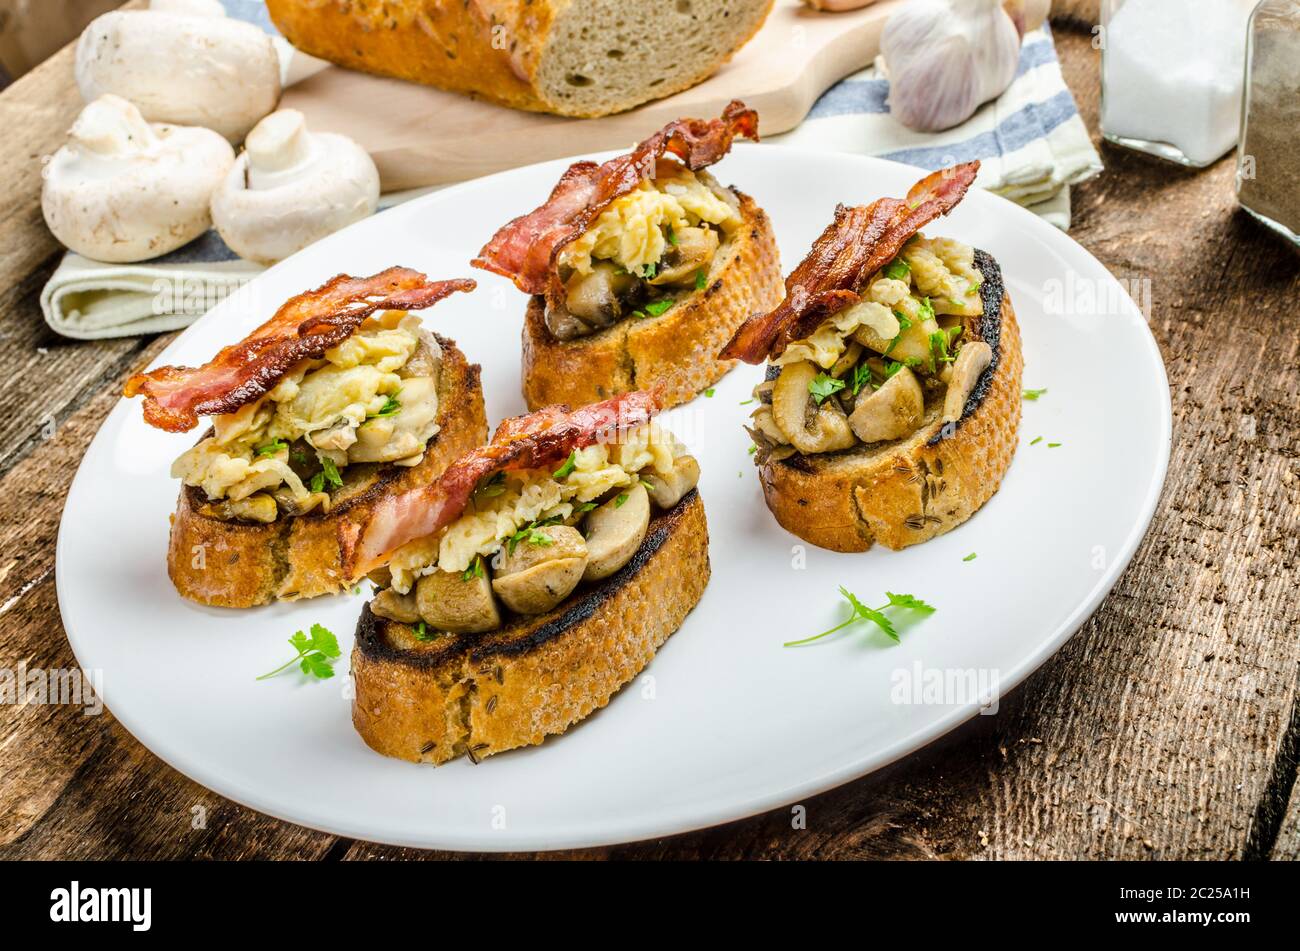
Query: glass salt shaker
pixel 1171 76
pixel 1268 158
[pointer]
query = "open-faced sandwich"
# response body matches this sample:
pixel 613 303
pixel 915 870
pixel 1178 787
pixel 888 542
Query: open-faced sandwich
pixel 640 269
pixel 891 402
pixel 336 403
pixel 528 584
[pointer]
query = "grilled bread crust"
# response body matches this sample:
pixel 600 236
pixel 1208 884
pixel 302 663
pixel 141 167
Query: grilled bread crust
pixel 480 694
pixel 242 564
pixel 906 492
pixel 569 57
pixel 676 351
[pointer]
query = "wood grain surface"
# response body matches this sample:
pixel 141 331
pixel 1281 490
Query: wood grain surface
pixel 1166 728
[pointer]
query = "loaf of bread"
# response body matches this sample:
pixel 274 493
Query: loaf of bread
pixel 570 57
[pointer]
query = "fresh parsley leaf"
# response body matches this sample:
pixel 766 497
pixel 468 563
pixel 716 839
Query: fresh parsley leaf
pixel 585 507
pixel 618 502
pixel 492 487
pixel 861 377
pixel 823 386
pixel 746 402
pixel 974 286
pixel 939 349
pixel 271 448
pixel 709 392
pixel 422 632
pixel 640 314
pixel 331 472
pixel 752 450
pixel 1052 445
pixel 316 653
pixel 475 569
pixel 647 271
pixel 926 309
pixel 672 236
pixel 903 322
pixel 877 616
pixel 532 534
pixel 317 483
pixel 892 367
pixel 392 406
pixel 569 465
pixel 970 557
pixel 898 269
pixel 700 279
pixel 1036 440
pixel 657 307
pixel 1032 395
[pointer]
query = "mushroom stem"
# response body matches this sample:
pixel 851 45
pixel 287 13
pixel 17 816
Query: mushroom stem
pixel 279 143
pixel 111 127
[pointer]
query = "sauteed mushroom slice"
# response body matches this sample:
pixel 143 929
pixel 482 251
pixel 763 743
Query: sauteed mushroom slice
pixel 597 298
pixel 667 490
pixel 396 607
pixel 456 602
pixel 809 427
pixel 972 360
pixel 892 411
pixel 542 571
pixel 615 531
pixel 694 249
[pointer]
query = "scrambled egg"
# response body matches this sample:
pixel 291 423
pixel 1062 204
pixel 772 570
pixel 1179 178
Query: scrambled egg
pixel 939 269
pixel 532 495
pixel 333 404
pixel 631 232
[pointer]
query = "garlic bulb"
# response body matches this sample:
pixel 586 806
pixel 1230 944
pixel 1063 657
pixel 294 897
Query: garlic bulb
pixel 947 57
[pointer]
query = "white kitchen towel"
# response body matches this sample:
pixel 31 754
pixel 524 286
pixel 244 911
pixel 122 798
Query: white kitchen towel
pixel 1031 142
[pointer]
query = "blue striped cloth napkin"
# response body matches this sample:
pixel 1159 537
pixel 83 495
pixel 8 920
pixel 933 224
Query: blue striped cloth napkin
pixel 1031 141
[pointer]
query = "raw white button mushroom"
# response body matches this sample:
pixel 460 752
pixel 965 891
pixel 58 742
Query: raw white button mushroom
pixel 291 187
pixel 123 190
pixel 183 62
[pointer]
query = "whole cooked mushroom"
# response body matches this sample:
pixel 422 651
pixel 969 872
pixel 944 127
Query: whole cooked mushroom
pixel 614 532
pixel 123 190
pixel 809 427
pixel 892 411
pixel 291 187
pixel 542 569
pixel 183 62
pixel 667 490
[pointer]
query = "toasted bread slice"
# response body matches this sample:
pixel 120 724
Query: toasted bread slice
pixel 676 351
pixel 479 694
pixel 905 492
pixel 233 564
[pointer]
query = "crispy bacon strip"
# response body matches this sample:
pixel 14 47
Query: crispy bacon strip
pixel 303 328
pixel 537 441
pixel 860 241
pixel 525 249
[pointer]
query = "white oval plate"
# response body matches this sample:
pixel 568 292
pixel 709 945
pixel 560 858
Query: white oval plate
pixel 725 722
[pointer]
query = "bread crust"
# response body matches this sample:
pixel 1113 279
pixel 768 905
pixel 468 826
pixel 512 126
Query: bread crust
pixel 925 485
pixel 494 49
pixel 240 565
pixel 431 701
pixel 676 351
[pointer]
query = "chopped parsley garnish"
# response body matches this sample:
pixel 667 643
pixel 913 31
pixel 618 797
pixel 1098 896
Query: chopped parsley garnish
pixel 271 448
pixel 618 502
pixel 647 271
pixel 316 654
pixel 422 632
pixel 876 616
pixel 533 533
pixel 974 286
pixel 392 406
pixel 709 392
pixel 970 557
pixel 1032 395
pixel 892 367
pixel 753 449
pixel 1036 440
pixel 492 487
pixel 640 314
pixel 926 309
pixel 330 472
pixel 569 465
pixel 475 570
pixel 898 269
pixel 939 348
pixel 823 386
pixel 657 307
pixel 317 483
pixel 903 322
pixel 861 377
pixel 1052 445
pixel 672 236
pixel 746 402
pixel 700 279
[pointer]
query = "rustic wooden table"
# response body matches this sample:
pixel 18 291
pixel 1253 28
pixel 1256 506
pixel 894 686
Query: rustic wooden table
pixel 1167 728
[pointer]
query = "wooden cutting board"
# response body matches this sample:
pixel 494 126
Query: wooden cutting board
pixel 423 136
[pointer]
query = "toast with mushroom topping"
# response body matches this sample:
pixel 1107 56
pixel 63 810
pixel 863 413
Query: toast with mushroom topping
pixel 891 404
pixel 338 401
pixel 527 585
pixel 640 269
